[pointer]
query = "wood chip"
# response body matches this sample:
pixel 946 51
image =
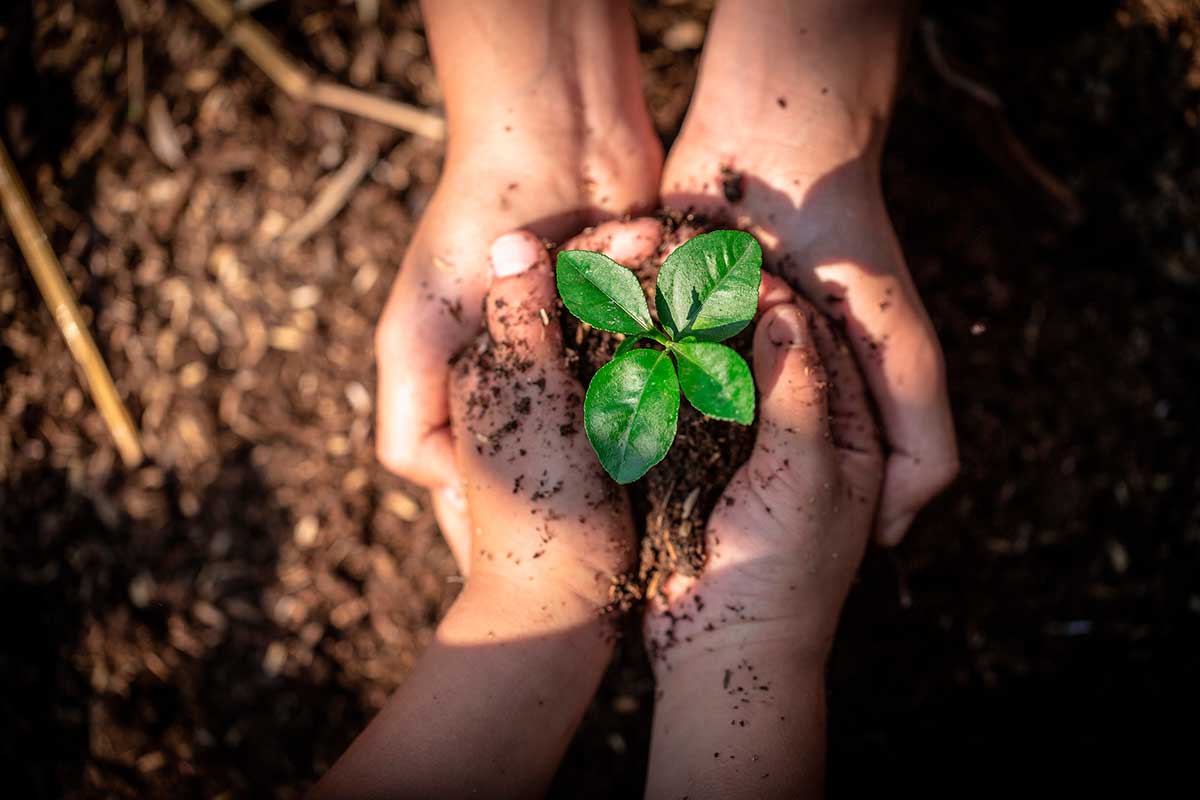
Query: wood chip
pixel 358 398
pixel 151 762
pixel 288 339
pixel 348 613
pixel 686 34
pixel 303 297
pixel 331 199
pixel 193 374
pixel 400 504
pixel 306 531
pixel 161 134
pixel 275 658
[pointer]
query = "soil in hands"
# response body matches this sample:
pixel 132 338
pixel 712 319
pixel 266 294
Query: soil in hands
pixel 673 501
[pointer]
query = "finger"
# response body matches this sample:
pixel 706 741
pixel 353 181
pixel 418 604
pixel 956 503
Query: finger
pixel 454 521
pixel 628 243
pixel 851 420
pixel 901 360
pixel 794 389
pixel 522 308
pixel 772 292
pixel 417 336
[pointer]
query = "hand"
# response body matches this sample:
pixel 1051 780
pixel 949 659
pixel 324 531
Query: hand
pixel 800 169
pixel 525 643
pixel 548 131
pixel 787 535
pixel 541 507
pixel 739 651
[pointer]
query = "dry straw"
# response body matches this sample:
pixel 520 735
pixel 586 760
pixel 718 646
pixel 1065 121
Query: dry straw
pixel 61 300
pixel 298 82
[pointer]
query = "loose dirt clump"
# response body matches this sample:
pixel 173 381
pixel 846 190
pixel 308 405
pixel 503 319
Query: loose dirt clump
pixel 673 501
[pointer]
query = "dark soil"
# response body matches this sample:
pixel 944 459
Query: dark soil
pixel 673 500
pixel 222 621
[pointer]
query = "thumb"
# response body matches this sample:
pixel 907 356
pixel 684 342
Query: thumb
pixel 792 472
pixel 522 305
pixel 794 417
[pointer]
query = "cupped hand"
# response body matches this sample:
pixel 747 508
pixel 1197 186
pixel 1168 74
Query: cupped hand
pixel 435 305
pixel 541 507
pixel 786 537
pixel 813 198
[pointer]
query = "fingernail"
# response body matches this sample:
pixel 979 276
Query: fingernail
pixel 788 328
pixel 513 253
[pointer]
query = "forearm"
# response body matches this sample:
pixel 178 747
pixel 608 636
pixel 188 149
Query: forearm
pixel 739 722
pixel 830 64
pixel 492 704
pixel 564 68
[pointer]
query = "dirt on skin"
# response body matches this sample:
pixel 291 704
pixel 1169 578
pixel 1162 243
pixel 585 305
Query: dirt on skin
pixel 673 501
pixel 222 621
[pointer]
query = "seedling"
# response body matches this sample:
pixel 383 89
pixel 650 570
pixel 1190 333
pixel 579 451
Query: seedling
pixel 707 291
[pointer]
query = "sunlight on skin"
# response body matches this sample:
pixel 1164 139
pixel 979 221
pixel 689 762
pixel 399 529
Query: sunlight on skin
pixel 804 162
pixel 739 652
pixel 559 138
pixel 527 640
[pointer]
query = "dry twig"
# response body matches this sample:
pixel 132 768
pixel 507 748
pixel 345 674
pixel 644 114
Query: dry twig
pixel 135 70
pixel 298 82
pixel 333 196
pixel 48 274
pixel 1008 147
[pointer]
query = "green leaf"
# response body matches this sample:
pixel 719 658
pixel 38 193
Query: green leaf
pixel 716 380
pixel 708 287
pixel 624 347
pixel 630 412
pixel 602 293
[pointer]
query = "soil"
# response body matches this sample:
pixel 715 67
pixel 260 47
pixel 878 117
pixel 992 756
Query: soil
pixel 223 620
pixel 673 501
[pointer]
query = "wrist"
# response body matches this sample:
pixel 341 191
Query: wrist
pixel 826 70
pixel 554 73
pixel 681 648
pixel 739 719
pixel 544 596
pixel 494 609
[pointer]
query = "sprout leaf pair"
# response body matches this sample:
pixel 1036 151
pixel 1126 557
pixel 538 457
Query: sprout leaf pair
pixel 707 291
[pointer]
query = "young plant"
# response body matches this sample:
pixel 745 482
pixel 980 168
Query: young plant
pixel 707 291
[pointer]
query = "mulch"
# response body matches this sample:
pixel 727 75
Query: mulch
pixel 224 619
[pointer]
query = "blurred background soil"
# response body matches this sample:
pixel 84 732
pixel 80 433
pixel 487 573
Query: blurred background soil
pixel 223 620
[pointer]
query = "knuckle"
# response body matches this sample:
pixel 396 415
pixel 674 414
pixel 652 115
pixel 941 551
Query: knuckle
pixel 395 459
pixel 390 335
pixel 939 474
pixel 946 472
pixel 400 460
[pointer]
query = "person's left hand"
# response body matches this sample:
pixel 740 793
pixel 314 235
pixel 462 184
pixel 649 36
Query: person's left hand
pixel 526 641
pixel 541 507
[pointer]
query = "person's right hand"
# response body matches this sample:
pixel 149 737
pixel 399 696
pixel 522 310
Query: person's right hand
pixel 739 651
pixel 548 132
pixel 784 136
pixel 787 535
pixel 526 641
pixel 435 309
pixel 545 518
